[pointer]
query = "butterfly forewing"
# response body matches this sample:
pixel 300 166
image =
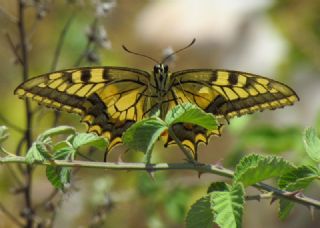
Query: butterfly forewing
pixel 232 93
pixel 109 99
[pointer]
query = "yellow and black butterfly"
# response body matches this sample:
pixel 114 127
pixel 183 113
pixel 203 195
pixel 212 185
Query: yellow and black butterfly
pixel 111 99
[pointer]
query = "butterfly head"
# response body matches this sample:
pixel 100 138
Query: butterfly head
pixel 160 69
pixel 160 74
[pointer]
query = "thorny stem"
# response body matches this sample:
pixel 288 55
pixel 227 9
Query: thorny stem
pixel 198 167
pixel 259 197
pixel 25 71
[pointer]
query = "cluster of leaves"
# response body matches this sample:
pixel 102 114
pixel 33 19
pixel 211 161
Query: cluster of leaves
pixel 223 204
pixel 44 149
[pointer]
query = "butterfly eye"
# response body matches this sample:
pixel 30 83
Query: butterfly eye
pixel 156 69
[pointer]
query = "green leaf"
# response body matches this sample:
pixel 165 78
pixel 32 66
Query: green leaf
pixel 37 153
pixel 285 207
pixel 3 133
pixel 200 214
pixel 58 176
pixel 64 153
pixel 312 144
pixel 255 168
pixel 142 135
pixel 65 173
pixel 297 179
pixel 57 131
pixel 89 139
pixel 60 145
pixel 217 186
pixel 190 113
pixel 228 206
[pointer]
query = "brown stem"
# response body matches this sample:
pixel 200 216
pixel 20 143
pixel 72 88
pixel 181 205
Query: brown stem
pixel 25 71
pixel 259 197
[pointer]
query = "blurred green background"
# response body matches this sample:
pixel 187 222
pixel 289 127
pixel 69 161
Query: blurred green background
pixel 278 39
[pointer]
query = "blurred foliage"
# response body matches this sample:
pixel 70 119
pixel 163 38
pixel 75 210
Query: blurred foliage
pixel 272 140
pixel 300 23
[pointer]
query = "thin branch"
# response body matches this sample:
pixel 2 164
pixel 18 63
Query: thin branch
pixel 14 48
pixel 10 16
pixel 10 215
pixel 259 197
pixel 198 167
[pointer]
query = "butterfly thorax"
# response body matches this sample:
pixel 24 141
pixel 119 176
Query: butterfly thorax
pixel 160 84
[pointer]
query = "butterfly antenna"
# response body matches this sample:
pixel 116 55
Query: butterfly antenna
pixel 135 53
pixel 181 49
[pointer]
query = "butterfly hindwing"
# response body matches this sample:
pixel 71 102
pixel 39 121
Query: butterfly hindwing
pixel 109 99
pixel 190 136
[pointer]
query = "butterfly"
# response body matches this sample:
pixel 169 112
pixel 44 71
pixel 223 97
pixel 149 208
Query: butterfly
pixel 111 99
